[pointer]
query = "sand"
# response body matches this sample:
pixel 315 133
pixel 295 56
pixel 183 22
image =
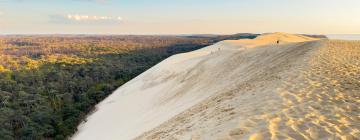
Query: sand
pixel 303 88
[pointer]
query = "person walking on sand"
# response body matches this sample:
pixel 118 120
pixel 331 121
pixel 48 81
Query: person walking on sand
pixel 277 43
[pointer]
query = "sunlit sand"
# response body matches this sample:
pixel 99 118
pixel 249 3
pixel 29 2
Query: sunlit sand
pixel 301 88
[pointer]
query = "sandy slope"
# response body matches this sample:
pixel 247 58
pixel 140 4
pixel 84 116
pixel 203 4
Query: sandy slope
pixel 301 89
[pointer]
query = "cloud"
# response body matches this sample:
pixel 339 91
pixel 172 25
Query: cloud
pixel 89 19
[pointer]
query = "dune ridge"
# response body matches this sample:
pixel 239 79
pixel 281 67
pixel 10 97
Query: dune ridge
pixel 302 88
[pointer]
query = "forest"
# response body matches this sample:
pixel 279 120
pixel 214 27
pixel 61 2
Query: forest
pixel 49 83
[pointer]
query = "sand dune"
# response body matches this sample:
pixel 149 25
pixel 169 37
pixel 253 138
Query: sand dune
pixel 303 88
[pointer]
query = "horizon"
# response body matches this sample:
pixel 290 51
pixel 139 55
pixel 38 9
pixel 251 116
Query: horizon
pixel 160 17
pixel 99 34
pixel 328 36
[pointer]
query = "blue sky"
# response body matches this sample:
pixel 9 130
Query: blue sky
pixel 178 16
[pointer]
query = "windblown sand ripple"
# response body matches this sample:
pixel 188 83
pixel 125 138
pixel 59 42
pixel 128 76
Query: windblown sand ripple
pixel 321 102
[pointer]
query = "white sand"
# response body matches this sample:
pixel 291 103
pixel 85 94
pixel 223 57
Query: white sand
pixel 241 89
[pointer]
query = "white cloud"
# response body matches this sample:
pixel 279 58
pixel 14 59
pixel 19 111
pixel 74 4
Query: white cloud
pixel 91 18
pixel 77 18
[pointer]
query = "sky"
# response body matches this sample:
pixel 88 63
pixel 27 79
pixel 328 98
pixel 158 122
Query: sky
pixel 179 16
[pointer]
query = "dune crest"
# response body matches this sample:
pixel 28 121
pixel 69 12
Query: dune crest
pixel 271 39
pixel 303 88
pixel 283 37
